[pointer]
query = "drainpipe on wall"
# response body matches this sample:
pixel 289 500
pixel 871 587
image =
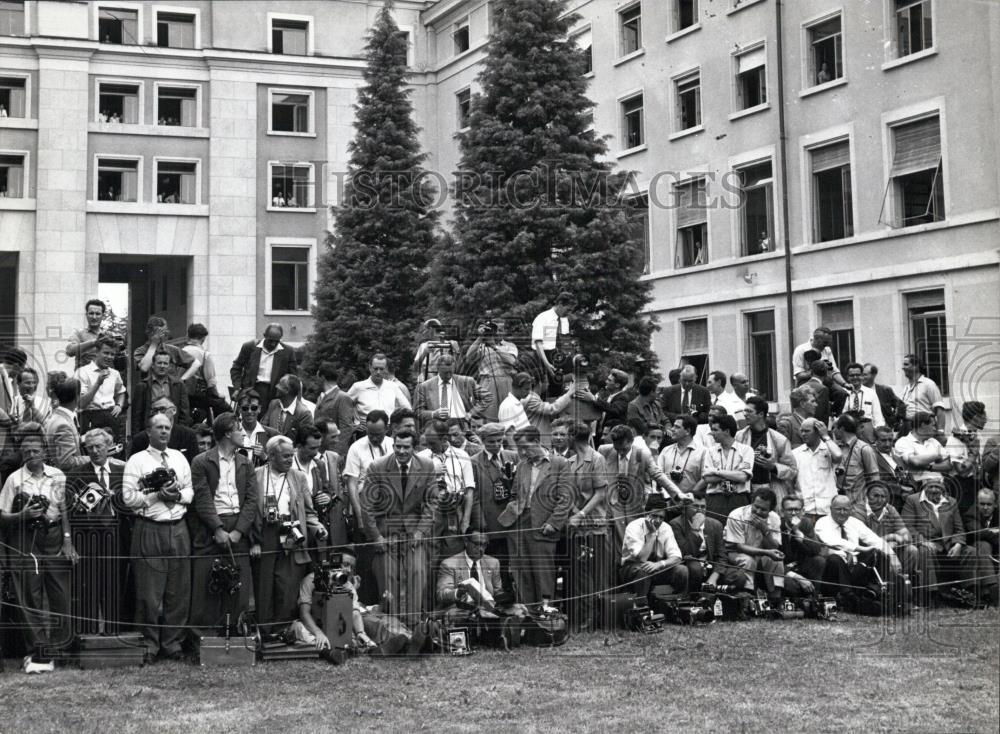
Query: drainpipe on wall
pixel 783 177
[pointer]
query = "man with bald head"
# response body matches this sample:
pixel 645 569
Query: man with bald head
pixel 687 398
pixel 261 364
pixel 447 395
pixel 983 534
pixel 741 386
pixel 182 438
pixel 849 540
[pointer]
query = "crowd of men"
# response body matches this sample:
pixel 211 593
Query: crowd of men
pixel 519 486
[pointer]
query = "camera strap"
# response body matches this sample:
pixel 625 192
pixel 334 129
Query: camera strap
pixel 842 479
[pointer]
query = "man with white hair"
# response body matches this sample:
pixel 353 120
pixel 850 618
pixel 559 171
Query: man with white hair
pixel 687 398
pixel 816 459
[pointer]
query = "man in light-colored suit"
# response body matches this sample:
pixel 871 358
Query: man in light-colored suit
pixel 453 581
pixel 61 433
pixel 397 503
pixel 447 395
pixel 536 516
pixel 286 414
pixel 774 465
pixel 630 469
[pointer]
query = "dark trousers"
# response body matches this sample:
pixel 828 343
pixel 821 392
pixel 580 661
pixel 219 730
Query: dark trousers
pixel 499 549
pixel 590 574
pixel 811 568
pixel 402 574
pixel 533 566
pixel 97 579
pixel 719 505
pixel 837 574
pixel 676 578
pixel 42 591
pixel 213 611
pixel 277 578
pixel 207 406
pixel 101 419
pixel 264 390
pixel 162 568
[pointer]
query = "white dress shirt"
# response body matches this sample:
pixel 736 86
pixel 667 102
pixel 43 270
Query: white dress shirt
pixel 638 545
pixel 368 396
pixel 733 405
pixel 511 413
pixel 865 401
pixel 817 479
pixel 110 389
pixel 266 361
pixel 455 465
pixel 855 536
pixel 50 483
pixel 909 446
pixel 150 506
pixel 227 496
pixel 361 454
pixel 546 327
pixel 739 458
pixel 448 396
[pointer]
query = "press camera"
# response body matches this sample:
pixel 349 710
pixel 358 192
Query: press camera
pixel 157 479
pixel 23 500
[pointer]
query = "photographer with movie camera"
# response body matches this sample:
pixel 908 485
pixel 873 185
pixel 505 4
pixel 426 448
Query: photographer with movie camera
pixel 285 523
pixel 435 342
pixel 157 486
pixel 225 509
pixel 37 529
pixel 495 358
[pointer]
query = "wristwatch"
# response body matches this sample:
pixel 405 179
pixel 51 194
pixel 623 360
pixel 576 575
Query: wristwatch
pixel 67 535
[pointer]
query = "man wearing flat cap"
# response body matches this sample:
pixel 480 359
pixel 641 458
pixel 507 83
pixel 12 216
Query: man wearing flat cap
pixel 650 554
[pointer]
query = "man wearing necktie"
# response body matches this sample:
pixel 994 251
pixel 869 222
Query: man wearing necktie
pixel 397 505
pixel 494 471
pixel 456 592
pixel 687 398
pixel 99 537
pixel 849 540
pixel 536 516
pixel 447 395
pixel 161 545
pixel 650 554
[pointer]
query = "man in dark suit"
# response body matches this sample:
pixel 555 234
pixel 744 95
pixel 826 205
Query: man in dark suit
pixel 397 505
pixel 804 559
pixel 982 527
pixel 447 395
pixel 615 406
pixel 182 438
pixel 935 524
pixel 493 492
pixel 286 414
pixel 160 382
pixel 100 535
pixel 700 540
pixel 334 405
pixel 225 509
pixel 62 434
pixel 536 516
pixel 887 397
pixel 687 397
pixel 260 365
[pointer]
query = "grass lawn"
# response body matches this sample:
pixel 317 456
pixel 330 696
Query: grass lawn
pixel 937 672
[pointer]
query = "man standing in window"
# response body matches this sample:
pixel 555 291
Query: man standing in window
pixel 260 365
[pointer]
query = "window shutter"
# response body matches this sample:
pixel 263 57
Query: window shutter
pixel 751 60
pixel 188 109
pixel 187 188
pixel 831 156
pixel 691 204
pixel 15 181
pixel 130 186
pixel 16 103
pixel 130 110
pixel 925 300
pixel 918 146
pixel 302 118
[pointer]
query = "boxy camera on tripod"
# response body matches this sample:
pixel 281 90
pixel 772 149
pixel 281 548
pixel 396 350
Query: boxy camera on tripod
pixel 330 576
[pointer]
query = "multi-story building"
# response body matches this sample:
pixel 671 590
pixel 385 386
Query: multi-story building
pixel 802 163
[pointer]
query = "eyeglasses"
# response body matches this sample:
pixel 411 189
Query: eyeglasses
pixel 794 510
pixel 249 408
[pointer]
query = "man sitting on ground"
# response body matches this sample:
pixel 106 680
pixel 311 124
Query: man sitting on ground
pixel 753 542
pixel 650 555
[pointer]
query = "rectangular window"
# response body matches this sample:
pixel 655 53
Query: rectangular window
pixel 117 180
pixel 692 224
pixel 685 14
pixel 688 92
pixel 12 177
pixel 916 177
pixel 460 38
pixel 117 25
pixel 13 97
pixel 756 208
pixel 929 334
pixel 290 278
pixel 290 112
pixel 585 42
pixel 289 37
pixel 761 352
pixel 630 24
pixel 694 347
pixel 118 103
pixel 639 223
pixel 838 317
pixel 833 217
pixel 177 106
pixel 292 186
pixel 175 30
pixel 176 182
pixel 826 57
pixel 914 29
pixel 751 78
pixel 633 131
pixel 464 107
pixel 11 18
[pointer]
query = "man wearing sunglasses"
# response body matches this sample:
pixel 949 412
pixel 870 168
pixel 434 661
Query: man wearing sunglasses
pixel 254 436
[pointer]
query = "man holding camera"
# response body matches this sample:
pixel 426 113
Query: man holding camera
pixel 159 383
pixel 682 459
pixel 753 543
pixel 83 344
pixel 496 358
pixel 700 541
pixel 494 471
pixel 287 414
pixel 862 403
pixel 447 395
pixel 805 558
pixel 37 528
pixel 285 523
pixel 859 467
pixel 253 435
pixel 774 466
pixel 820 343
pixel 686 398
pixel 225 509
pixel 726 468
pixel 157 486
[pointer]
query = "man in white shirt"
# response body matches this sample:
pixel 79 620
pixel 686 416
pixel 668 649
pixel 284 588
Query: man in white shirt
pixel 455 488
pixel 253 436
pixel 965 452
pixel 850 540
pixel 102 391
pixel 920 452
pixel 682 460
pixel 753 543
pixel 862 403
pixel 726 468
pixel 817 460
pixel 650 555
pixel 374 445
pixel 547 331
pixel 821 339
pixel 377 392
pixel 511 413
pixel 163 582
pixel 920 395
pixel 730 401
